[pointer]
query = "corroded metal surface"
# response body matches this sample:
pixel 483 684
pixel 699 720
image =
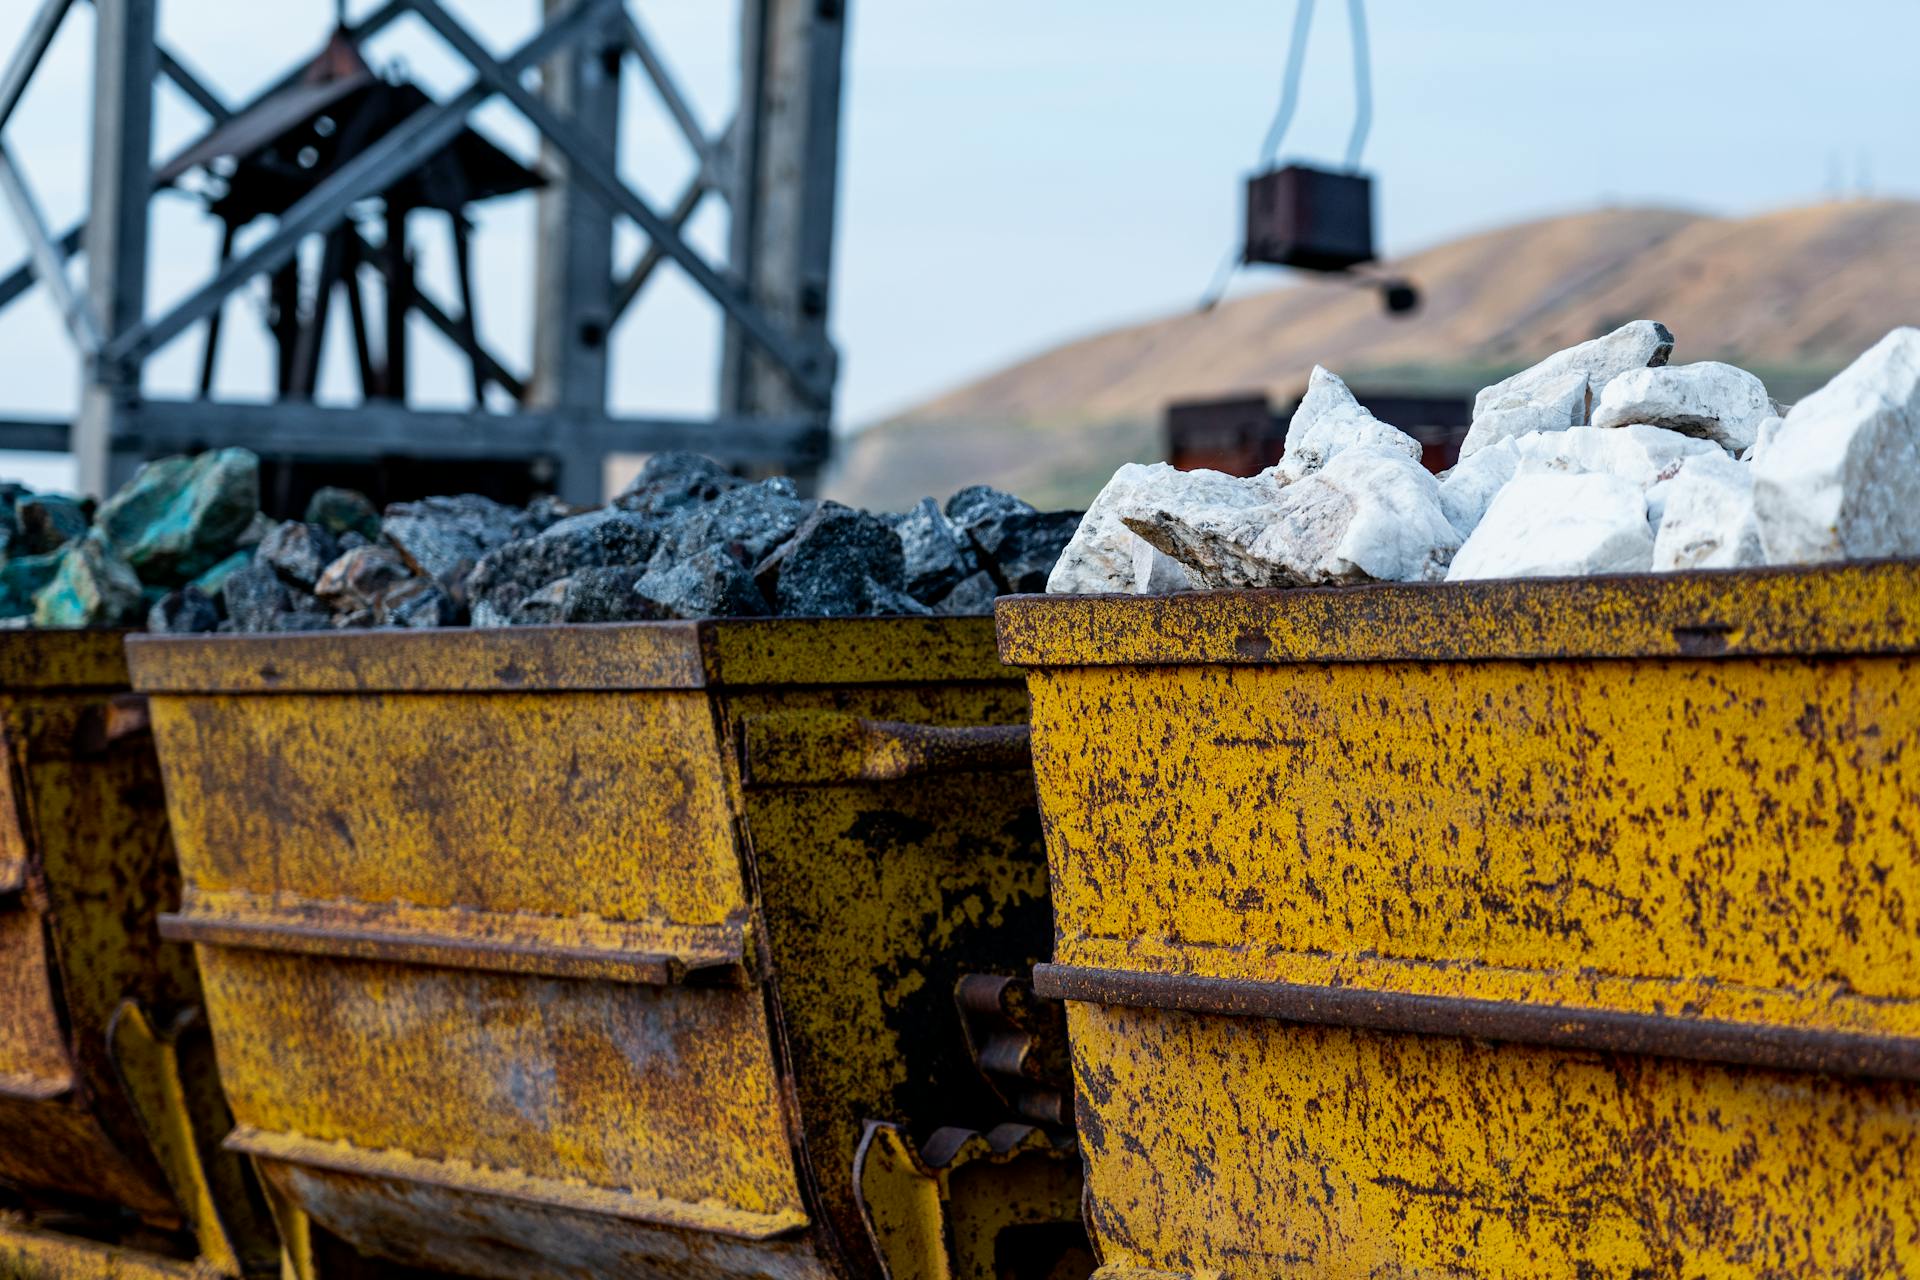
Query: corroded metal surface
pixel 973 1206
pixel 1861 608
pixel 1250 1147
pixel 30 1254
pixel 1594 819
pixel 105 1131
pixel 511 967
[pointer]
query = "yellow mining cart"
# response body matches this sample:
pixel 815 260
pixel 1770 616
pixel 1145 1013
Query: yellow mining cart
pixel 684 950
pixel 110 1109
pixel 1519 928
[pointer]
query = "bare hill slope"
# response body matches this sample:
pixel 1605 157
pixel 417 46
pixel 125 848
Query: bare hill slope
pixel 1791 294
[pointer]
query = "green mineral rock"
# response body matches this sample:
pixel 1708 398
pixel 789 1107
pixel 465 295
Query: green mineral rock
pixel 180 516
pixel 46 522
pixel 93 587
pixel 214 580
pixel 20 578
pixel 339 511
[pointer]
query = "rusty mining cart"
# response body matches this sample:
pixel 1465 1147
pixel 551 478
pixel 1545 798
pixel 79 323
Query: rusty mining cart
pixel 686 950
pixel 1491 929
pixel 111 1114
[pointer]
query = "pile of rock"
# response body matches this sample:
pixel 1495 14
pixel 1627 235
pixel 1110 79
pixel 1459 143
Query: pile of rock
pixel 1603 458
pixel 185 549
pixel 181 520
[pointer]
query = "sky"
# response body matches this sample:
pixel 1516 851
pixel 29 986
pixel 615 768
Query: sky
pixel 1016 174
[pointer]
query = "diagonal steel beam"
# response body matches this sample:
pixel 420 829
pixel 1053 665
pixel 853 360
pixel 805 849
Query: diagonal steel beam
pixel 438 317
pixel 204 98
pixel 20 279
pixel 677 217
pixel 396 153
pixel 809 372
pixel 49 264
pixel 33 47
pixel 675 101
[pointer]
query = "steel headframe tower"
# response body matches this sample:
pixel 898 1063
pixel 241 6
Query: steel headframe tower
pixel 775 165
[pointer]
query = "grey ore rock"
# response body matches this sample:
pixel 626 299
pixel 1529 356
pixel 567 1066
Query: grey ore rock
pixel 255 598
pixel 183 612
pixel 299 552
pixel 937 554
pixel 839 564
pixel 748 522
pixel 1021 547
pixel 707 584
pixel 670 481
pixel 509 574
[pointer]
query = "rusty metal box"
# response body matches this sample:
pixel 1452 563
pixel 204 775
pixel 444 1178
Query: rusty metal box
pixel 595 950
pixel 1492 929
pixel 1315 219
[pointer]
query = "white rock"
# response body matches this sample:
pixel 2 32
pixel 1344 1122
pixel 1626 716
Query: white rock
pixel 1642 455
pixel 1552 404
pixel 1763 437
pixel 1631 346
pixel 1370 512
pixel 1709 521
pixel 1842 478
pixel 1104 555
pixel 1155 572
pixel 1466 490
pixel 1714 401
pixel 1546 524
pixel 1328 420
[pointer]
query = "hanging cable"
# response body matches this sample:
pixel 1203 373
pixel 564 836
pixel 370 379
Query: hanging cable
pixel 1362 83
pixel 1289 84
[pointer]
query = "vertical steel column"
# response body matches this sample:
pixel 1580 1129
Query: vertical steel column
pixel 573 279
pixel 787 159
pixel 125 60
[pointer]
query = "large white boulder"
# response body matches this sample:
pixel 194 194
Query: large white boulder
pixel 1105 556
pixel 1763 438
pixel 1631 346
pixel 1368 513
pixel 1554 524
pixel 1714 401
pixel 1841 480
pixel 1644 456
pixel 1709 521
pixel 1199 509
pixel 1466 490
pixel 1328 420
pixel 1552 404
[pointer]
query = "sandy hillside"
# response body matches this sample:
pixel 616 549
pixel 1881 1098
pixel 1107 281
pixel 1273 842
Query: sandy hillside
pixel 1792 295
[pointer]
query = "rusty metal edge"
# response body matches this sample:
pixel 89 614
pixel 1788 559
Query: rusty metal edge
pixel 491 955
pixel 584 657
pixel 647 655
pixel 63 1255
pixel 1718 613
pixel 31 1088
pixel 404 1167
pixel 48 660
pixel 1603 1031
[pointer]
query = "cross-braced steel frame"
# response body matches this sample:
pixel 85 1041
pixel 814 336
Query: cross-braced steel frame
pixel 775 165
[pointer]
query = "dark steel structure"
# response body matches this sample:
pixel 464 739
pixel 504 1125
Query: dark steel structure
pixel 775 165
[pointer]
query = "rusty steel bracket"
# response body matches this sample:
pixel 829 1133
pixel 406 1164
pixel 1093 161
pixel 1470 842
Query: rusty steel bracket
pixel 1019 1042
pixel 966 1204
pixel 801 747
pixel 184 1116
pixel 123 716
